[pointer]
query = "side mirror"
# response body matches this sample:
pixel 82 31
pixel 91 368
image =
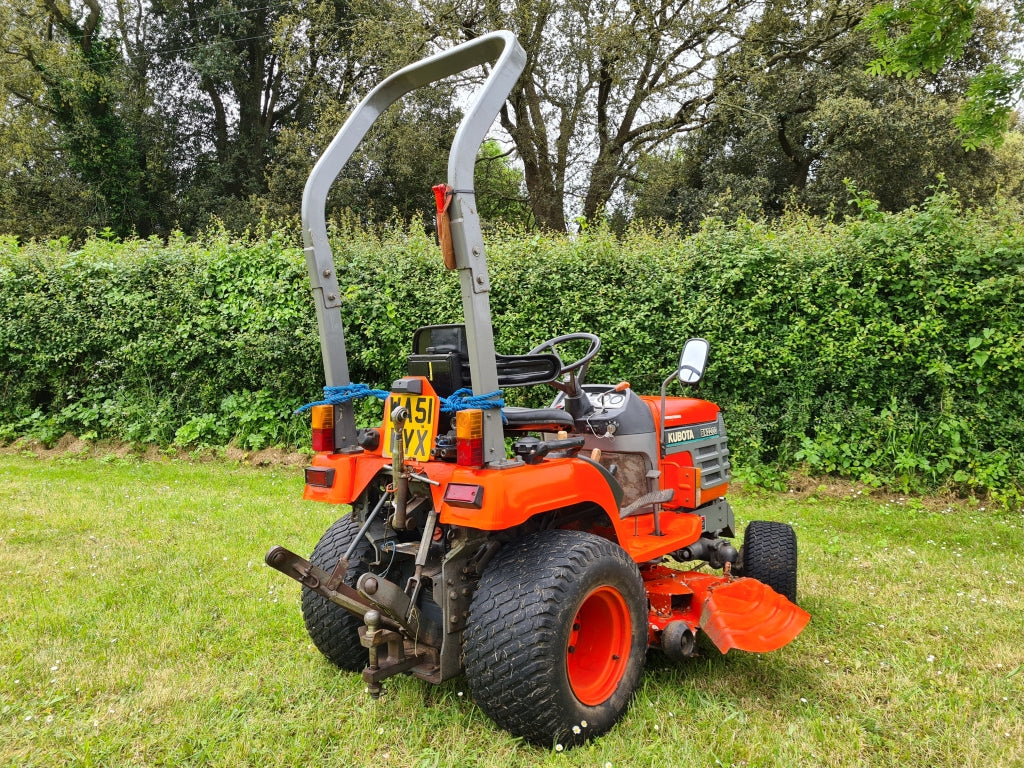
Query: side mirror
pixel 693 361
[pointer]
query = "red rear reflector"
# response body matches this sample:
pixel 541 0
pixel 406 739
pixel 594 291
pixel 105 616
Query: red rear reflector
pixel 320 477
pixel 459 495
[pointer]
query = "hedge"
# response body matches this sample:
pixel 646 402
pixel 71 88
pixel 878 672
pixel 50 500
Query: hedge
pixel 888 349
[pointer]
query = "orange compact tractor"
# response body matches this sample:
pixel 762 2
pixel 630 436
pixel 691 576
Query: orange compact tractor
pixel 540 552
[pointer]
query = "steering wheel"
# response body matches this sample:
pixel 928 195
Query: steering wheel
pixel 576 365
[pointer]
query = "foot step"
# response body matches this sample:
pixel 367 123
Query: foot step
pixel 647 500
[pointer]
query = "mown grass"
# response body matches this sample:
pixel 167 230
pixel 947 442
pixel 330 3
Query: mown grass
pixel 140 628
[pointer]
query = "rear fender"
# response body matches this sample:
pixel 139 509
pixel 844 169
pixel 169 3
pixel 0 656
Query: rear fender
pixel 352 473
pixel 511 496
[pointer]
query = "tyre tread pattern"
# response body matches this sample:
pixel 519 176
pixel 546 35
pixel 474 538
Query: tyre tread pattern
pixel 517 632
pixel 769 555
pixel 333 630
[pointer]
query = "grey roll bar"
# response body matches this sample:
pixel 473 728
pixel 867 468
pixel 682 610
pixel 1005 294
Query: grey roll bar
pixel 467 237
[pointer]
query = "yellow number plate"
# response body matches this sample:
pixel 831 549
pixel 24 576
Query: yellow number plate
pixel 420 428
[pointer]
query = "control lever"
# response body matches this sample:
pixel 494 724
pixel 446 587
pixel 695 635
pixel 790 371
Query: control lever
pixel 618 389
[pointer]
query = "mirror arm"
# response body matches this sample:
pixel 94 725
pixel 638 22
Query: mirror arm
pixel 661 415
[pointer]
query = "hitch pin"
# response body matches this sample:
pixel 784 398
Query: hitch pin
pixel 423 479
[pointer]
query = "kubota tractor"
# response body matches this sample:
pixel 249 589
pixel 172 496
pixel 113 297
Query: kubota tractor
pixel 539 552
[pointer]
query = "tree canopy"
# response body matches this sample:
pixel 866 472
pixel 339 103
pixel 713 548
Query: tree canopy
pixel 918 37
pixel 799 116
pixel 146 116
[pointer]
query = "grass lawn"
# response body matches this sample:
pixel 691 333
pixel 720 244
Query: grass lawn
pixel 140 627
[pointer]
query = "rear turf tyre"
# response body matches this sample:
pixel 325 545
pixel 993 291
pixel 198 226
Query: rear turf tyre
pixel 556 637
pixel 768 554
pixel 334 630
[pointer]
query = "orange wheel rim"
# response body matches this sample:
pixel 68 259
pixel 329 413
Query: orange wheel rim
pixel 599 646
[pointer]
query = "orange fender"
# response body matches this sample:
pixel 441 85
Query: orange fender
pixel 352 473
pixel 512 496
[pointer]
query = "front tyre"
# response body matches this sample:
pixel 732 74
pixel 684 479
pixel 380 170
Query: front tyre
pixel 556 637
pixel 768 554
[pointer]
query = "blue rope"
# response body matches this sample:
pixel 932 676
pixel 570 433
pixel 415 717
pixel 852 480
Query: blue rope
pixel 459 400
pixel 347 393
pixel 464 398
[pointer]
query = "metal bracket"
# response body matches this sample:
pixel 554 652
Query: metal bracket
pixel 371 637
pixel 322 276
pixel 468 241
pixel 396 605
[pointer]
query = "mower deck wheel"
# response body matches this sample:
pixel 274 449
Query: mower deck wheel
pixel 768 554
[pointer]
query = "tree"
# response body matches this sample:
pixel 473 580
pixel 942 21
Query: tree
pixel 141 115
pixel 796 115
pixel 392 171
pixel 259 89
pixel 404 154
pixel 75 92
pixel 919 37
pixel 500 191
pixel 605 80
pixel 225 85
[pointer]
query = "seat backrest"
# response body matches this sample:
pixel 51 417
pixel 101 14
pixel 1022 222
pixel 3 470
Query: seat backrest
pixel 439 339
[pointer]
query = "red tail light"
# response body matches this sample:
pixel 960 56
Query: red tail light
pixel 469 438
pixel 323 428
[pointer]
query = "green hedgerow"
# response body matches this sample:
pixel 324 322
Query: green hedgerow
pixel 887 349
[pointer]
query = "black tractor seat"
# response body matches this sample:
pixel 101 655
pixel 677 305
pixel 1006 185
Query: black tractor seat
pixel 537 419
pixel 441 353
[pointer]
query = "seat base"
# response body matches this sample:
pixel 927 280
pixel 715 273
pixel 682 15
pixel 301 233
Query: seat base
pixel 537 419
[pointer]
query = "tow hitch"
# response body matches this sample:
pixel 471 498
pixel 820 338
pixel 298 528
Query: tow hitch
pixel 371 636
pixel 317 579
pixel 386 612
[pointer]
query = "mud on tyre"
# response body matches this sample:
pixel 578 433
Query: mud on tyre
pixel 556 637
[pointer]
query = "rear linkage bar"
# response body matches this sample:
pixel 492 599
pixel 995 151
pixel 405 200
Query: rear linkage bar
pixel 379 630
pixel 385 608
